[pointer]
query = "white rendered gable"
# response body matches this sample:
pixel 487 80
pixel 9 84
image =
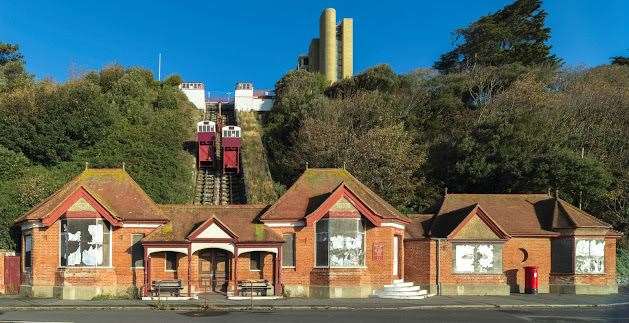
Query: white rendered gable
pixel 81 205
pixel 213 232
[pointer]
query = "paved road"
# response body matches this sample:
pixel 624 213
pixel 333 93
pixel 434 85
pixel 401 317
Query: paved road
pixel 607 314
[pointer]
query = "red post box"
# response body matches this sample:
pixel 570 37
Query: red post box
pixel 531 280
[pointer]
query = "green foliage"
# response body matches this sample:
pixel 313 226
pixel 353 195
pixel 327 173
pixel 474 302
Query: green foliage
pixel 507 129
pixel 514 34
pixel 620 60
pixel 106 118
pixel 173 80
pixel 622 265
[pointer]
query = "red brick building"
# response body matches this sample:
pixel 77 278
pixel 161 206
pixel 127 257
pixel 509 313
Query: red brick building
pixel 327 236
pixel 480 244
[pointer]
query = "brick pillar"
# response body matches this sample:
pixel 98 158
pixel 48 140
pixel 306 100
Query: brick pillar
pixel 235 270
pixel 189 270
pixel 278 272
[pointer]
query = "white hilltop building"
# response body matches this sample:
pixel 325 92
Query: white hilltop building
pixel 246 99
pixel 195 91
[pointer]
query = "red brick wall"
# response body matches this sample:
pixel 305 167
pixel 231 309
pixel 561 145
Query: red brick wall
pixel 419 262
pixel 378 269
pixel 538 250
pixel 245 272
pixel 46 270
pixel 448 276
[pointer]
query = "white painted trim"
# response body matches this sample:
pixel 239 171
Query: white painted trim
pixel 30 225
pixel 285 224
pixel 150 250
pixel 393 225
pixel 244 250
pixel 141 225
pixel 396 254
pixel 208 245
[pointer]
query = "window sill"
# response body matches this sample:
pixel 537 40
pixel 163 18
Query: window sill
pixel 478 274
pixel 86 267
pixel 288 267
pixel 578 274
pixel 326 267
pixel 170 270
pixel 257 270
pixel 137 267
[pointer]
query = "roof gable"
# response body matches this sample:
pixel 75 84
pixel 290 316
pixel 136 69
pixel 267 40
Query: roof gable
pixel 238 221
pixel 342 192
pixel 212 228
pixel 315 186
pixel 80 201
pixel 477 225
pixel 517 214
pixel 114 189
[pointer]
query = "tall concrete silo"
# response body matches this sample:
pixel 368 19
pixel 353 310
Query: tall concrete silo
pixel 327 47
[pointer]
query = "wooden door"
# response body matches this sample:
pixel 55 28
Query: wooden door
pixel 214 270
pixel 12 274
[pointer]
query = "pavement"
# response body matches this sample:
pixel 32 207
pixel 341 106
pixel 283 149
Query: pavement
pixel 590 314
pixel 436 302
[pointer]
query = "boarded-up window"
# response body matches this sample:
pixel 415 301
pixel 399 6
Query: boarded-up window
pixel 340 243
pixel 589 256
pixel 561 256
pixel 137 251
pixel 288 250
pixel 85 243
pixel 480 258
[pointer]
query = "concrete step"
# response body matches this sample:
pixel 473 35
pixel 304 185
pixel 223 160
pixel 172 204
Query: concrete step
pixel 407 284
pixel 402 288
pixel 397 281
pixel 403 293
pixel 406 297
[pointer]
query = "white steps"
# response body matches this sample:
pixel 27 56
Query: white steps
pixel 402 290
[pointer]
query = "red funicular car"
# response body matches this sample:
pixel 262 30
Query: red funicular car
pixel 206 135
pixel 231 149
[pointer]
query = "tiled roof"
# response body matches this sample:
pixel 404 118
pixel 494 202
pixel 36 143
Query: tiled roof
pixel 315 185
pixel 114 189
pixel 517 214
pixel 419 226
pixel 242 220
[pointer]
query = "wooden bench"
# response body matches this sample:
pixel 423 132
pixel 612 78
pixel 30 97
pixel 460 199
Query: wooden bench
pixel 173 287
pixel 259 287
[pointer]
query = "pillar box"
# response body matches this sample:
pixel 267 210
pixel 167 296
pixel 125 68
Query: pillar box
pixel 531 280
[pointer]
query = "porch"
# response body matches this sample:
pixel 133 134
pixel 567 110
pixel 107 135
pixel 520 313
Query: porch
pixel 211 269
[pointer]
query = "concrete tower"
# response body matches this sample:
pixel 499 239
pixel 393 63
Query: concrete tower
pixel 332 54
pixel 346 31
pixel 327 49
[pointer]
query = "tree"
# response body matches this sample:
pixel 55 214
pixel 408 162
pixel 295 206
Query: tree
pixel 107 117
pixel 620 60
pixel 364 134
pixel 514 34
pixel 10 53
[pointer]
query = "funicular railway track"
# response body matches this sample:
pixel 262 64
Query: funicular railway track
pixel 212 186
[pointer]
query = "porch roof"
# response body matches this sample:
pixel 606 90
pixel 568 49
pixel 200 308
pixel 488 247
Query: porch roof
pixel 242 220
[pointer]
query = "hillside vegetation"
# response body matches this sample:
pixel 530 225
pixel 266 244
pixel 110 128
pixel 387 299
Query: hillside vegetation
pixel 49 130
pixel 499 115
pixel 258 181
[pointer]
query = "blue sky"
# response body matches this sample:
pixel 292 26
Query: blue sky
pixel 222 42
